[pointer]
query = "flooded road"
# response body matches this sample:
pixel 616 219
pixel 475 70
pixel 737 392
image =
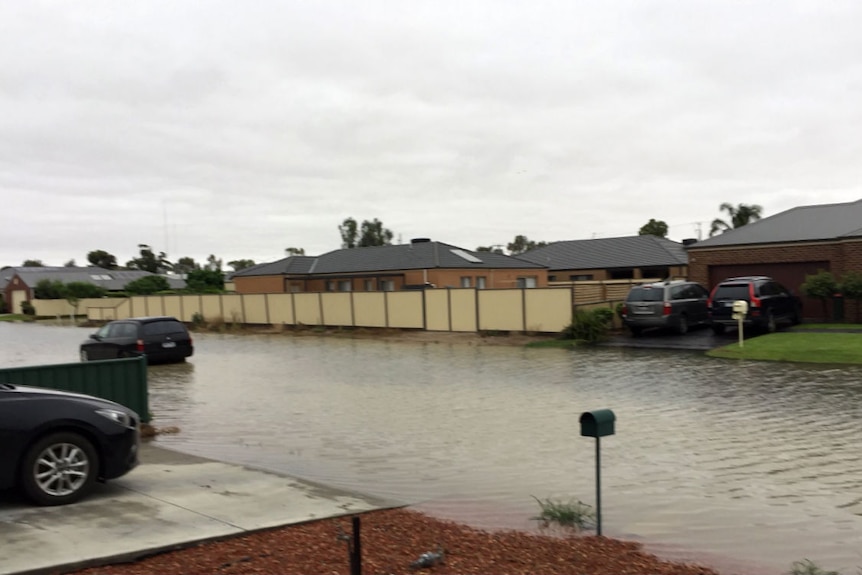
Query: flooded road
pixel 759 462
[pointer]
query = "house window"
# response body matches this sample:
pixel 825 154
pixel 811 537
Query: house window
pixel 387 285
pixel 330 285
pixel 527 282
pixel 581 277
pixel 345 285
pixel 480 282
pixel 465 282
pixel 369 285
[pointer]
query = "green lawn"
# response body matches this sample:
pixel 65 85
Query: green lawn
pixel 14 317
pixel 797 346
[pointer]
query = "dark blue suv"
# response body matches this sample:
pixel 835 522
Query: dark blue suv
pixel 770 304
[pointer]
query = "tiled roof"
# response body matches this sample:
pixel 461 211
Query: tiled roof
pixel 111 280
pixel 284 266
pixel 418 255
pixel 609 253
pixel 803 223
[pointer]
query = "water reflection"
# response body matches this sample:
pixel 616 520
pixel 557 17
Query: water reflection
pixel 757 461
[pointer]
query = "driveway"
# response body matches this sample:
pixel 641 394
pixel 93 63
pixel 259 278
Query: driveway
pixel 698 339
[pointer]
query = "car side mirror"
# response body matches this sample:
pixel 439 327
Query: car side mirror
pixel 95 336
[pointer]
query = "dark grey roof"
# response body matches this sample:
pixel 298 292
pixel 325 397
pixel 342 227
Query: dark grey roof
pixel 420 255
pixel 609 253
pixel 803 223
pixel 284 266
pixel 111 280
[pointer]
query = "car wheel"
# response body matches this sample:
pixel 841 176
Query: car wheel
pixel 84 355
pixel 718 328
pixel 682 326
pixel 771 326
pixel 58 469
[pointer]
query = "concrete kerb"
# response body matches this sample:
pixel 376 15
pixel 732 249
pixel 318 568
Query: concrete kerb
pixel 171 501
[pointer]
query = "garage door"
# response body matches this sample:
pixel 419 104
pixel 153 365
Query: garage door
pixel 18 297
pixel 790 275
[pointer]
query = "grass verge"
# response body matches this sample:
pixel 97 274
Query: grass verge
pixel 15 317
pixel 801 347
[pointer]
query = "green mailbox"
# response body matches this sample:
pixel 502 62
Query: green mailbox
pixel 598 423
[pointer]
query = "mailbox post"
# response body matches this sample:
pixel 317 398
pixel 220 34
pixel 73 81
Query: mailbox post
pixel 740 310
pixel 598 424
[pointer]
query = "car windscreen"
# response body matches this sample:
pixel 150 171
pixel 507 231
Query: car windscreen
pixel 732 291
pixel 645 294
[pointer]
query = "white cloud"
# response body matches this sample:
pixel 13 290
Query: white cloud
pixel 240 130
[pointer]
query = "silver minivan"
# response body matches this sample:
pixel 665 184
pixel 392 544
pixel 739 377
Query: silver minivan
pixel 676 305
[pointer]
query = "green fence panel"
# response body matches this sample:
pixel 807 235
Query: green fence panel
pixel 123 381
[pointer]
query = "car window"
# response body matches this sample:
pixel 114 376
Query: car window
pixel 646 294
pixel 163 327
pixel 121 330
pixel 732 291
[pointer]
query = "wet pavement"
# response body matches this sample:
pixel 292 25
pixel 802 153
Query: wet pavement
pixel 171 500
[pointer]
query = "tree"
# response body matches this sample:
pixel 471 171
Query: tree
pixel 213 264
pixel 186 265
pixel 851 287
pixel 48 289
pixel 822 286
pixel 654 228
pixel 521 244
pixel 238 265
pixel 148 261
pixel 496 249
pixel 33 264
pixel 374 234
pixel 70 264
pixel 147 285
pixel 294 251
pixel 741 215
pixel 74 292
pixel 205 281
pixel 102 259
pixel 348 231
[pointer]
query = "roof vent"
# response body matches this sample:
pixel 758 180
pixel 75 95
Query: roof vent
pixel 420 240
pixel 689 241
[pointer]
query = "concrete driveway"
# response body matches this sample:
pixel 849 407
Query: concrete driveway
pixel 698 339
pixel 169 501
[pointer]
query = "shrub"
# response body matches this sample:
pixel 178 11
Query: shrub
pixel 198 319
pixel 605 314
pixel 588 327
pixel 822 286
pixel 27 308
pixel 808 567
pixel 572 514
pixel 147 285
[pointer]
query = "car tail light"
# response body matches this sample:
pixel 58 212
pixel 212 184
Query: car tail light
pixel 755 301
pixel 625 309
pixel 139 345
pixel 667 308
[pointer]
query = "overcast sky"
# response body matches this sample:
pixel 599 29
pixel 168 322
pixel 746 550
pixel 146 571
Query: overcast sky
pixel 242 128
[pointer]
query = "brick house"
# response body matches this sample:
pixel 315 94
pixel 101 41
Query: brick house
pixel 17 284
pixel 421 263
pixel 632 257
pixel 787 247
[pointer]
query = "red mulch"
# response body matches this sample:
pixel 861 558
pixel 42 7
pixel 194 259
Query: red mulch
pixel 391 540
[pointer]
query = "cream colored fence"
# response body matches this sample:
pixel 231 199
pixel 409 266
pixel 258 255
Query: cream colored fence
pixel 545 310
pixel 540 310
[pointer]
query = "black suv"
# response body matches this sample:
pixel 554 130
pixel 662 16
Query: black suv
pixel 675 305
pixel 162 339
pixel 769 304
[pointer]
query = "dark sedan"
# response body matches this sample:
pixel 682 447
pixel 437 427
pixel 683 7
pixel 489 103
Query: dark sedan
pixel 55 445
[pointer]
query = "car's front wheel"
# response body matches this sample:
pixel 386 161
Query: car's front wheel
pixel 58 469
pixel 682 326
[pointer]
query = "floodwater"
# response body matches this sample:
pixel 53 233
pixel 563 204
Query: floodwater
pixel 748 466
